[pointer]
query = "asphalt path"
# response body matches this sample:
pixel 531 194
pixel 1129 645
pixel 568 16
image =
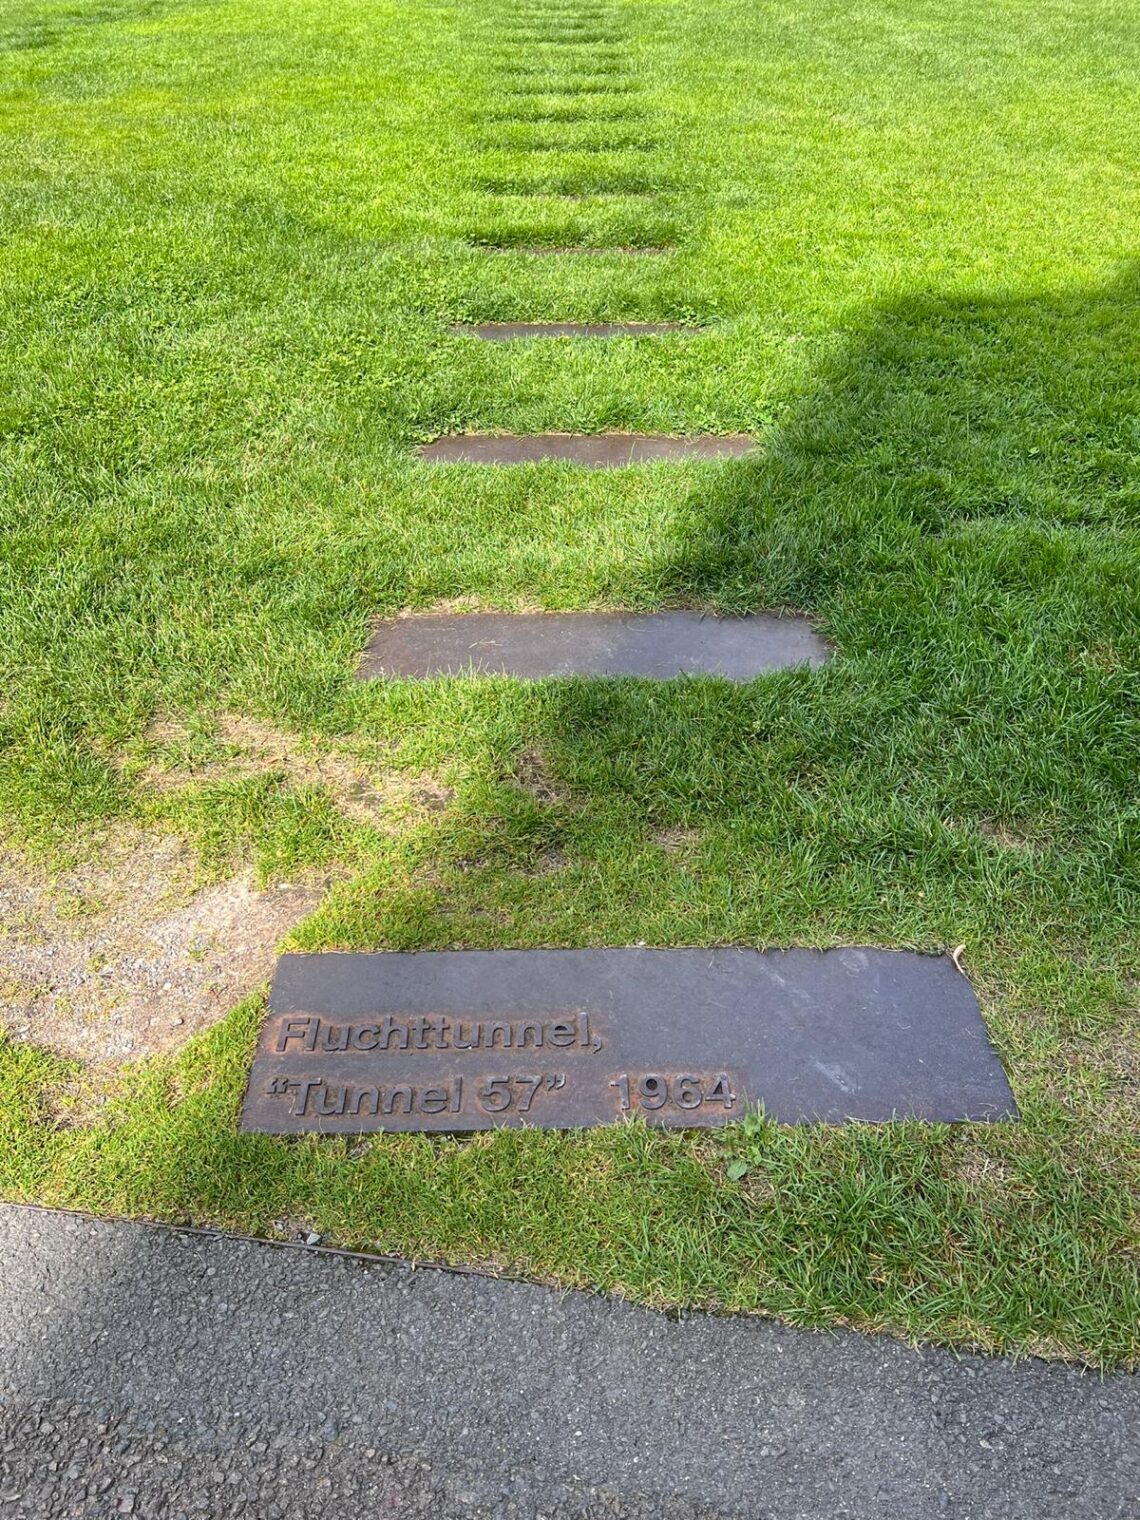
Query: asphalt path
pixel 153 1373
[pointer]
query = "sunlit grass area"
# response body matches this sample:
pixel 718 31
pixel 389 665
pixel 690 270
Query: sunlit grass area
pixel 235 240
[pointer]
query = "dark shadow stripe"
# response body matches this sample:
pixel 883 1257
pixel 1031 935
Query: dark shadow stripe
pixel 551 183
pixel 578 251
pixel 505 332
pixel 594 67
pixel 550 145
pixel 608 195
pixel 546 86
pixel 571 116
pixel 554 39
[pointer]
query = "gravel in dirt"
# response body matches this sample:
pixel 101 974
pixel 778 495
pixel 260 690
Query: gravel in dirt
pixel 127 954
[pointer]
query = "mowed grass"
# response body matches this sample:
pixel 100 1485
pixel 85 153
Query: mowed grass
pixel 235 238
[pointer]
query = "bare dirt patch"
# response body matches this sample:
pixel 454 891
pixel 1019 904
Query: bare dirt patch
pixel 1007 836
pixel 531 773
pixel 677 841
pixel 241 747
pixel 549 862
pixel 128 954
pixel 237 746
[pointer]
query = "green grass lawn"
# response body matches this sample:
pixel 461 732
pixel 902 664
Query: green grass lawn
pixel 233 239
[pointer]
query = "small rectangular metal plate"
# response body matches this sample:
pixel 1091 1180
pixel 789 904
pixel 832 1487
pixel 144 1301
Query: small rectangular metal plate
pixel 599 451
pixel 472 1039
pixel 577 251
pixel 535 646
pixel 506 332
pixel 552 83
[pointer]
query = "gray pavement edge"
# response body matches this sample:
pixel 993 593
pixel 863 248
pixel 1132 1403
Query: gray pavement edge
pixel 157 1373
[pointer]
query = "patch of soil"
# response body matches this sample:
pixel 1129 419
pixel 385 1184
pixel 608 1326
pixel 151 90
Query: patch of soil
pixel 548 862
pixel 242 746
pixel 531 774
pixel 676 841
pixel 128 954
pixel 246 747
pixel 1005 836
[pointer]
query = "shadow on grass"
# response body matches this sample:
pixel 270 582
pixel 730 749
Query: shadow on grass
pixel 952 500
pixel 952 497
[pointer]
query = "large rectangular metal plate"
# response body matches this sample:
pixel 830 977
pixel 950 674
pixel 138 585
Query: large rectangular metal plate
pixel 600 450
pixel 535 646
pixel 471 1039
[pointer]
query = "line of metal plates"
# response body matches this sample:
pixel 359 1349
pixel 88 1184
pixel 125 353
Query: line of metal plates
pixel 468 1040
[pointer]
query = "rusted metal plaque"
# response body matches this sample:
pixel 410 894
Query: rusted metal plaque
pixel 535 646
pixel 506 332
pixel 599 451
pixel 471 1039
